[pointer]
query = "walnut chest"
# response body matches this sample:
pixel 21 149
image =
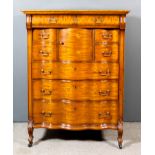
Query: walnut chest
pixel 75 70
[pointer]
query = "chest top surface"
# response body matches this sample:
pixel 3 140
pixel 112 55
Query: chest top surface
pixel 100 12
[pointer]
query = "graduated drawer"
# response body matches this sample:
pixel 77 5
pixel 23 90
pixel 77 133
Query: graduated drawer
pixel 67 112
pixel 44 37
pixel 75 71
pixel 107 53
pixel 75 20
pixel 75 90
pixel 40 52
pixel 75 44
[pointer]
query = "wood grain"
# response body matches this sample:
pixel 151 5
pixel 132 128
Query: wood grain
pixel 75 71
pixel 75 44
pixel 74 20
pixel 75 90
pixel 67 112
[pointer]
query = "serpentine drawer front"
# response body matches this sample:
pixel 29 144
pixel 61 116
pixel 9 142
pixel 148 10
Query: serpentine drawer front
pixel 75 70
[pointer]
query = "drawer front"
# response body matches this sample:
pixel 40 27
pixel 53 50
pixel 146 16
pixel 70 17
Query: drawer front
pixel 98 20
pixel 106 53
pixel 75 44
pixel 67 112
pixel 44 52
pixel 44 37
pixel 75 71
pixel 47 20
pixel 75 20
pixel 106 36
pixel 75 90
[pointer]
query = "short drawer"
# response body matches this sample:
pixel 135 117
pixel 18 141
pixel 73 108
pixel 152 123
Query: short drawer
pixel 67 112
pixel 107 53
pixel 44 52
pixel 75 20
pixel 75 90
pixel 74 71
pixel 104 36
pixel 44 37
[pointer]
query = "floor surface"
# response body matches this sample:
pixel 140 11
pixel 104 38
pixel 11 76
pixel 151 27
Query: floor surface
pixel 62 142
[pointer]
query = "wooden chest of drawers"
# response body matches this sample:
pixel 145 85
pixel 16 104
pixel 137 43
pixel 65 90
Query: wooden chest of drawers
pixel 75 70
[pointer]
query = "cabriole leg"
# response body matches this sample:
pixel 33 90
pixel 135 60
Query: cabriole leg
pixel 120 135
pixel 30 133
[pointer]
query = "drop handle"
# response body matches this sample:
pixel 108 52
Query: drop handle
pixel 104 43
pixel 52 20
pixel 44 36
pixel 107 36
pixel 106 53
pixel 104 73
pixel 104 93
pixel 46 91
pixel 105 115
pixel 46 114
pixel 44 53
pixel 46 72
pixel 99 20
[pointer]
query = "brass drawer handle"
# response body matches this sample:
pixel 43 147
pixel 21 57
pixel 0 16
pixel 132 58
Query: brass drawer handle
pixel 105 115
pixel 104 93
pixel 104 73
pixel 46 114
pixel 99 20
pixel 52 20
pixel 107 36
pixel 46 72
pixel 105 43
pixel 46 91
pixel 44 36
pixel 106 53
pixel 44 53
pixel 45 101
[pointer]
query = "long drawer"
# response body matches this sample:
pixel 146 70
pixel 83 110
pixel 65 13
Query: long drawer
pixel 75 90
pixel 75 20
pixel 69 112
pixel 75 71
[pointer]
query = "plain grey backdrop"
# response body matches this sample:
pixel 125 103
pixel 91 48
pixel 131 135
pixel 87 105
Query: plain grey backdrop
pixel 132 109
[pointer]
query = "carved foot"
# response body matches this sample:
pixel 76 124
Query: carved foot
pixel 30 132
pixel 30 144
pixel 120 135
pixel 120 146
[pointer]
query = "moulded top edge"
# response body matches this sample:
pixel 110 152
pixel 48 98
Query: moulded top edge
pixel 118 12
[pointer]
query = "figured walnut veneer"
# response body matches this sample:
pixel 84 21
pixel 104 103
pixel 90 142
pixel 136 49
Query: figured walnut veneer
pixel 75 70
